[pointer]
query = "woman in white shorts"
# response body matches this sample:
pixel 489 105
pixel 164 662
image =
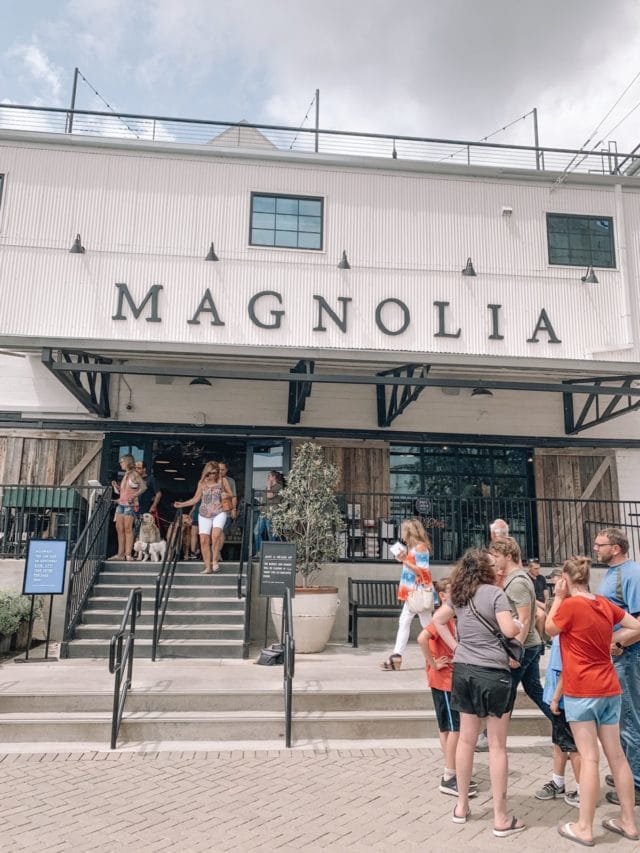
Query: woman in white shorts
pixel 214 494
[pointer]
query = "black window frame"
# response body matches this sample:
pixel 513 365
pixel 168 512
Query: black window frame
pixel 289 196
pixel 590 255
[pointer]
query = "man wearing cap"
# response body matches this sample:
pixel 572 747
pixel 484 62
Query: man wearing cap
pixel 621 585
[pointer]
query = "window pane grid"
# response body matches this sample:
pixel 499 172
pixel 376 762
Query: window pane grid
pixel 580 240
pixel 286 222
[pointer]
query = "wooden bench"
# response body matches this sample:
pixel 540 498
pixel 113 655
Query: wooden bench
pixel 375 598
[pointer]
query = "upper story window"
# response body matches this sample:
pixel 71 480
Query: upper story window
pixel 289 221
pixel 580 241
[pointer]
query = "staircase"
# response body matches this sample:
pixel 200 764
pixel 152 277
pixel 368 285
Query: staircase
pixel 204 618
pixel 237 715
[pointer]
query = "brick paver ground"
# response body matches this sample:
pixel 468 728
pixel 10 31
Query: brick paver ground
pixel 352 799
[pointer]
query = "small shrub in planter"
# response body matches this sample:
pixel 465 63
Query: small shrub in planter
pixel 14 609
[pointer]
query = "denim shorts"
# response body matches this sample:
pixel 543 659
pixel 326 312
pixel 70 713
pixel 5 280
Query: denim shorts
pixel 123 509
pixel 603 711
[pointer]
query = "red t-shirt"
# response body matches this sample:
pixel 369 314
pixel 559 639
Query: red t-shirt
pixel 586 627
pixel 440 679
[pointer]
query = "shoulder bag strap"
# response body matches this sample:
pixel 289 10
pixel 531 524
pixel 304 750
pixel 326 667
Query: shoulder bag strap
pixel 494 630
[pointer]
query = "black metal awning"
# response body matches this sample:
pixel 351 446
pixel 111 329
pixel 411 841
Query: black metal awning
pixel 396 388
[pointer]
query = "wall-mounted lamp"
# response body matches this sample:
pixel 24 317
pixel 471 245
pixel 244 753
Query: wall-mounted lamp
pixel 211 254
pixel 482 392
pixel 589 277
pixel 200 380
pixel 77 248
pixel 507 211
pixel 468 270
pixel 343 263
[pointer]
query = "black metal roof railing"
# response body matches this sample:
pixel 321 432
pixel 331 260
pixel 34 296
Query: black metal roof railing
pixel 338 143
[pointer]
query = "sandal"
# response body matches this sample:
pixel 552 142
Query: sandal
pixel 457 819
pixel 393 663
pixel 613 826
pixel 115 559
pixel 567 832
pixel 510 830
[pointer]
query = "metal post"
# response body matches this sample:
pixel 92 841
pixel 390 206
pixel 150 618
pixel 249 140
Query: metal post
pixel 317 118
pixel 76 71
pixel 30 632
pixel 536 138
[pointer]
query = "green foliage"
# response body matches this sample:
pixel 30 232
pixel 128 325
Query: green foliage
pixel 307 512
pixel 14 609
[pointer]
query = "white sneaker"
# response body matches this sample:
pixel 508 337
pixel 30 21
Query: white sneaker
pixel 482 744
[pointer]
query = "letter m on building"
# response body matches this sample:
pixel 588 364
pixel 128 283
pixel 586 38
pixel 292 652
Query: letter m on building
pixel 136 310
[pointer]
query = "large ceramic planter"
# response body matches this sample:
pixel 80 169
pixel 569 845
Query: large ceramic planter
pixel 314 615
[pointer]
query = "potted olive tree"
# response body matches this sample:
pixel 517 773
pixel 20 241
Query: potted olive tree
pixel 308 515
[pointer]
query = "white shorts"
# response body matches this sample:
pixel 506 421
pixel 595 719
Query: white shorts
pixel 205 525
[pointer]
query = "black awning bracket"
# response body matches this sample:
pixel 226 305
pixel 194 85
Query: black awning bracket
pixel 299 392
pixel 88 385
pixel 592 411
pixel 390 408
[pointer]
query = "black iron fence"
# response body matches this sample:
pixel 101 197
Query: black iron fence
pixel 43 512
pixel 547 528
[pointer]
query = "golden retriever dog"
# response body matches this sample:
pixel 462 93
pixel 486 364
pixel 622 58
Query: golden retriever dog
pixel 149 540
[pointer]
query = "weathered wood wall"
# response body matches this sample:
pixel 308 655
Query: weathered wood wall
pixel 361 469
pixel 49 458
pixel 575 476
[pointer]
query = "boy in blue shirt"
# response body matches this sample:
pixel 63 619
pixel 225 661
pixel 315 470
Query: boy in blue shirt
pixel 564 746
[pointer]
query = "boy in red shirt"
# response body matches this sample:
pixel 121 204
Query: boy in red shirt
pixel 439 677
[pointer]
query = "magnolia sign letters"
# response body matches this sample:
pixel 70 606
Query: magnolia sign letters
pixel 266 309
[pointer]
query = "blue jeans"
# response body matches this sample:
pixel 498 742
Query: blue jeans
pixel 628 670
pixel 262 530
pixel 529 674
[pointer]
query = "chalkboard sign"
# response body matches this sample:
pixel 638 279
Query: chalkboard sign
pixel 277 569
pixel 45 567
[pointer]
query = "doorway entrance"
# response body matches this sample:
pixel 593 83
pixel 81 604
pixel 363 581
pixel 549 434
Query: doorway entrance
pixel 176 463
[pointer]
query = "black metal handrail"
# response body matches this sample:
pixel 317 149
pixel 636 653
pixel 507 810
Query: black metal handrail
pixel 121 658
pixel 245 579
pixel 164 580
pixel 551 529
pixel 86 560
pixel 288 642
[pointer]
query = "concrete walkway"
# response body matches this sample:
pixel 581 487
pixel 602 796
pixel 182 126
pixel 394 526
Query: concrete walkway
pixel 218 797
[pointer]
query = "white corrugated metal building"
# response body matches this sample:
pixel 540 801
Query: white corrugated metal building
pixel 144 298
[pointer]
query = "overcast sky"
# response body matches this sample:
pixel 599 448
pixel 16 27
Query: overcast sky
pixel 441 68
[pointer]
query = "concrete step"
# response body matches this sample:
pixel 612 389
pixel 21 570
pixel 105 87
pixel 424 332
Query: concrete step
pixel 202 602
pixel 141 578
pixel 201 631
pixel 175 616
pixel 220 590
pixel 167 649
pixel 152 568
pixel 221 699
pixel 140 727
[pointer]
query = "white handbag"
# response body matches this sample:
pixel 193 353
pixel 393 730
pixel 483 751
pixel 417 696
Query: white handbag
pixel 420 599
